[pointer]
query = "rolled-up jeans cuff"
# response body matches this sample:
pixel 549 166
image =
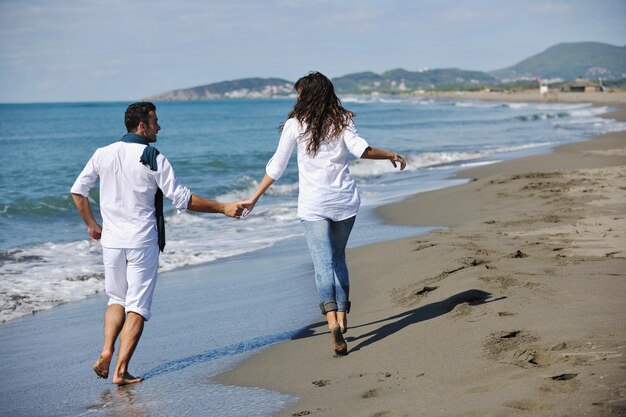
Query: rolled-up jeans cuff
pixel 328 306
pixel 344 306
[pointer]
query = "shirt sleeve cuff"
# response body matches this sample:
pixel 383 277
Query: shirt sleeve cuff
pixel 182 201
pixel 79 189
pixel 360 148
pixel 273 171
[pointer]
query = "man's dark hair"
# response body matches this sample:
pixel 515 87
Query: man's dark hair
pixel 136 113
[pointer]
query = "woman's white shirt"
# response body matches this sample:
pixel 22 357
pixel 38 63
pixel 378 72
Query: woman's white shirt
pixel 327 190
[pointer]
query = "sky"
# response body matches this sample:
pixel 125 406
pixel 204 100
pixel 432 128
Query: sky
pixel 120 50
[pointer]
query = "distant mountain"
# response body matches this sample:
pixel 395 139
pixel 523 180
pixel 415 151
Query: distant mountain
pixel 567 61
pixel 393 81
pixel 398 80
pixel 244 88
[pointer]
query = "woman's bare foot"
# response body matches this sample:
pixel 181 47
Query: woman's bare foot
pixel 339 344
pixel 342 319
pixel 126 379
pixel 101 367
pixel 343 325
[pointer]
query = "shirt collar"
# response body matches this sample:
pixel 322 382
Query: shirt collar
pixel 135 138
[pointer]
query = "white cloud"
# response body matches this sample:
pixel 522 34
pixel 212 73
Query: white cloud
pixel 462 15
pixel 94 48
pixel 551 8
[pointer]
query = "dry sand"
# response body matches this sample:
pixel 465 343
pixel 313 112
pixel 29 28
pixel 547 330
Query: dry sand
pixel 516 310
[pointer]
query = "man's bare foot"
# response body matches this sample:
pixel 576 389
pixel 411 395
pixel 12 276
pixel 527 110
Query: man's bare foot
pixel 126 379
pixel 339 344
pixel 101 367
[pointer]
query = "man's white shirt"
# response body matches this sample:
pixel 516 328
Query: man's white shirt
pixel 127 192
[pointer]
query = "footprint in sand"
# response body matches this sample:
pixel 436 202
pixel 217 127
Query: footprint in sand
pixel 426 290
pixel 500 282
pixel 461 310
pixel 423 244
pixel 501 343
pixel 562 383
pixel 506 314
pixel 371 393
pixel 510 335
pixel 518 347
pixel 383 376
pixel 321 382
pixel 532 357
pixel 475 262
pixel 528 405
pixel 563 377
pixel 411 294
pixel 612 408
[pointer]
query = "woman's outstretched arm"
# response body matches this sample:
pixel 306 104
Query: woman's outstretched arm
pixel 248 204
pixel 374 153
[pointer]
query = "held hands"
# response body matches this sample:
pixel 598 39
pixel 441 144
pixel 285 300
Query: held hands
pixel 234 210
pixel 238 209
pixel 248 205
pixel 245 206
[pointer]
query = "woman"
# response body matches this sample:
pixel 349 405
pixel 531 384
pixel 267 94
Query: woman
pixel 328 201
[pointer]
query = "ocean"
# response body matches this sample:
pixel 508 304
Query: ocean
pixel 219 150
pixel 228 287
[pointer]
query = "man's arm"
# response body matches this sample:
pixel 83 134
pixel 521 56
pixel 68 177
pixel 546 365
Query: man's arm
pixel 84 208
pixel 197 203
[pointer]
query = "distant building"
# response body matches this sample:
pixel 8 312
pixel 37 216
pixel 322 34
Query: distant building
pixel 581 85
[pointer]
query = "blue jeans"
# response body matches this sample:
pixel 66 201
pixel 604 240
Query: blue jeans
pixel 327 242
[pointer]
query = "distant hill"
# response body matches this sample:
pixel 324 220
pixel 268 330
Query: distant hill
pixel 567 61
pixel 244 88
pixel 393 81
pixel 398 80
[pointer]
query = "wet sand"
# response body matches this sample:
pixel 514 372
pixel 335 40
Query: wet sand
pixel 516 309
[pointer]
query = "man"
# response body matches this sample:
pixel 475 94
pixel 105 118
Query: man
pixel 132 177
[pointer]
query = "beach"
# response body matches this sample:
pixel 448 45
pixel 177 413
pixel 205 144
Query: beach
pixel 512 306
pixel 516 308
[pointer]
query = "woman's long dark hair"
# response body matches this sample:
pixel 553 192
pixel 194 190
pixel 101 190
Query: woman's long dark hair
pixel 319 109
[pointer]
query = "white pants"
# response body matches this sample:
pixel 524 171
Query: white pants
pixel 130 276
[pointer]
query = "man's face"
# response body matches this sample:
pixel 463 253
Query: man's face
pixel 152 128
